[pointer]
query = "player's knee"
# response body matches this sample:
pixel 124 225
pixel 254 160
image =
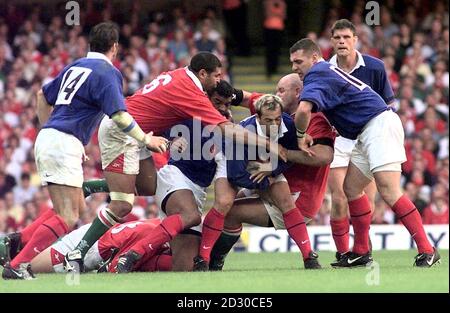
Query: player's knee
pixel 223 203
pixel 120 209
pixel 191 218
pixel 285 203
pixel 350 190
pixel 121 203
pixel 389 195
pixel 339 201
pixel 70 219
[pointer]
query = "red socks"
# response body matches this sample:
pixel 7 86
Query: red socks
pixel 296 227
pixel 340 230
pixel 27 232
pixel 212 228
pixel 161 234
pixel 410 217
pixel 361 217
pixel 42 238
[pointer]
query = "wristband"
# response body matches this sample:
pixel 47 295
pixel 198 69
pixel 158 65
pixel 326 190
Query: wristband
pixel 238 96
pixel 300 134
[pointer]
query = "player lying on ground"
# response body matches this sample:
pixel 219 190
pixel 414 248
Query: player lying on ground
pixel 103 256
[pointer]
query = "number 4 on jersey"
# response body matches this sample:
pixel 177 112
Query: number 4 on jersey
pixel 72 80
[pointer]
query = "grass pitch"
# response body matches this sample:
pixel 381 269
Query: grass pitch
pixel 268 272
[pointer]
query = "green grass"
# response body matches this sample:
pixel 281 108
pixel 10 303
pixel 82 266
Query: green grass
pixel 269 272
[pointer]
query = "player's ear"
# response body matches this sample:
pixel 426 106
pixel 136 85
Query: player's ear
pixel 202 73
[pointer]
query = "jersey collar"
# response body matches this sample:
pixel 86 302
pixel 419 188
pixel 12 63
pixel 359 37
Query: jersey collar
pixel 283 129
pixel 98 55
pixel 194 78
pixel 358 64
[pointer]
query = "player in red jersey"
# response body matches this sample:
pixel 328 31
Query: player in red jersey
pixel 103 255
pixel 168 100
pixel 307 178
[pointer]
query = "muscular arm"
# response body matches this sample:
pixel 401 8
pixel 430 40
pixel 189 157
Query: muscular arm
pixel 243 136
pixel 246 99
pixel 44 109
pixel 303 115
pixel 323 155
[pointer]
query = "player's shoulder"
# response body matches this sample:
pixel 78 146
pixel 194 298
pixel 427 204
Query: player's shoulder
pixel 320 67
pixel 251 120
pixel 319 70
pixel 99 67
pixel 373 62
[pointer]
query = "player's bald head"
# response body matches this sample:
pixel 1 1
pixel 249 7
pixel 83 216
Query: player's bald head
pixel 289 88
pixel 290 81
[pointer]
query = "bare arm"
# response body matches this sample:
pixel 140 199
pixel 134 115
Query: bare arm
pixel 323 156
pixel 245 99
pixel 303 115
pixel 243 136
pixel 44 109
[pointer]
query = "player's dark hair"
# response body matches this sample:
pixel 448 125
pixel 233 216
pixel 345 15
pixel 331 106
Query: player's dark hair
pixel 103 36
pixel 343 24
pixel 224 89
pixel 206 61
pixel 307 45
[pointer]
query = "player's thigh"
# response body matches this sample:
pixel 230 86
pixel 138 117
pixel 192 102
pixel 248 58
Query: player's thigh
pixel 42 263
pixel 184 248
pixel 183 202
pixel 336 180
pixel 146 179
pixel 66 202
pixel 354 183
pixel 388 184
pixel 280 194
pixel 249 210
pixel 224 195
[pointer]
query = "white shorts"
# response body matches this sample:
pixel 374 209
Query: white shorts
pixel 342 152
pixel 120 153
pixel 380 146
pixel 64 245
pixel 170 179
pixel 59 157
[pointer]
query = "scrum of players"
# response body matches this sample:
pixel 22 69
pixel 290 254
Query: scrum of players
pixel 185 111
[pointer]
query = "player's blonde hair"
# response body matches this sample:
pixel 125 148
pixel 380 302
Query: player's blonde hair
pixel 269 102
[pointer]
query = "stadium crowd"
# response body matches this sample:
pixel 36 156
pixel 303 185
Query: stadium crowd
pixel 34 47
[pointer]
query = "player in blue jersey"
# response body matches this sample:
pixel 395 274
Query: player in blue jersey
pixel 233 173
pixel 358 112
pixel 69 109
pixel 371 71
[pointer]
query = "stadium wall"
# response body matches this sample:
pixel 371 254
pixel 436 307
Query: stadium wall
pixel 383 237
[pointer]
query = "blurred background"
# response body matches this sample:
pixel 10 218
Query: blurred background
pixel 36 42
